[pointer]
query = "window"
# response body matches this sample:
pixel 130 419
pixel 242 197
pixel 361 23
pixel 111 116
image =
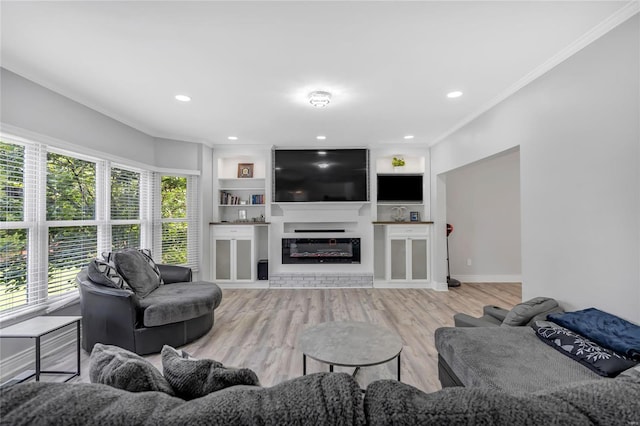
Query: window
pixel 71 214
pixel 177 222
pixel 14 232
pixel 125 209
pixel 59 210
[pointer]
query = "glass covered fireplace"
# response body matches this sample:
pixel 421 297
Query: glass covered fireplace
pixel 320 250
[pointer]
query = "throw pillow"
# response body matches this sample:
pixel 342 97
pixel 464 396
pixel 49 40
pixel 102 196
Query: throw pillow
pixel 602 361
pixel 137 271
pixel 193 378
pixel 152 263
pixel 523 312
pixel 122 369
pixel 104 273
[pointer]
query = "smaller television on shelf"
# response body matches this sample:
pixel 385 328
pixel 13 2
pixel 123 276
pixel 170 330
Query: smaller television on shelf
pixel 400 188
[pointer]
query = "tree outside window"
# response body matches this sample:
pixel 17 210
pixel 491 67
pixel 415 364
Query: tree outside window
pixel 174 219
pixel 13 242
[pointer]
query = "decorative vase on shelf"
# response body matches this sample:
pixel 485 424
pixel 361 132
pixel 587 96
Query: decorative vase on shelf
pixel 398 214
pixel 397 162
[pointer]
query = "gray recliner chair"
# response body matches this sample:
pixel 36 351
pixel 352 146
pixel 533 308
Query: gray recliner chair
pixel 525 313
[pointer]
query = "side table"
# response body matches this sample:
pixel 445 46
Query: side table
pixel 37 327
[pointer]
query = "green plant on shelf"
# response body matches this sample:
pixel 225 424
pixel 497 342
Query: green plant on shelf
pixel 397 162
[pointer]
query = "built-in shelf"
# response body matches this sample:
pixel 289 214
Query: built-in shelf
pixel 402 203
pixel 241 205
pixel 402 223
pixel 240 223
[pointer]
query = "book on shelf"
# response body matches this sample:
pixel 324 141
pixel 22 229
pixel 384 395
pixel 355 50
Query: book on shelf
pixel 227 198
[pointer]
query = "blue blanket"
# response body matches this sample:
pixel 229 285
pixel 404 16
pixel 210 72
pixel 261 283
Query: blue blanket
pixel 605 329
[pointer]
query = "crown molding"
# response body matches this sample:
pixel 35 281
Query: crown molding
pixel 621 15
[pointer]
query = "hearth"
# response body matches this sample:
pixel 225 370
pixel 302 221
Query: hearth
pixel 320 250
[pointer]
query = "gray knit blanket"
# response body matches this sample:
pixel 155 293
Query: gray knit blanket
pixel 601 402
pixel 316 399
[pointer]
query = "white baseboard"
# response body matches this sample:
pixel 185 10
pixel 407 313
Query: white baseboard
pixel 25 359
pixel 440 286
pixel 489 278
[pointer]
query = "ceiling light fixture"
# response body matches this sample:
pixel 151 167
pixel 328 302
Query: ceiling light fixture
pixel 409 137
pixel 183 98
pixel 455 94
pixel 323 165
pixel 319 98
pixel 232 138
pixel 321 138
pixel 322 152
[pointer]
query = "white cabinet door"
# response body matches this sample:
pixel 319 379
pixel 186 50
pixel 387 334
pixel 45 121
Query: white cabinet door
pixel 419 248
pixel 407 255
pixel 233 253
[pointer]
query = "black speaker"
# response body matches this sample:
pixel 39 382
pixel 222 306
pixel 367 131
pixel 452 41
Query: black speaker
pixel 263 269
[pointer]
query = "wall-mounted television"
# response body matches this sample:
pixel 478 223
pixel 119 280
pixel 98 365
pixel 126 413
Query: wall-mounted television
pixel 308 175
pixel 400 188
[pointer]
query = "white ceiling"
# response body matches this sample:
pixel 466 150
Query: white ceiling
pixel 249 65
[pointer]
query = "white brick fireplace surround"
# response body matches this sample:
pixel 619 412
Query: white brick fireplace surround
pixel 302 280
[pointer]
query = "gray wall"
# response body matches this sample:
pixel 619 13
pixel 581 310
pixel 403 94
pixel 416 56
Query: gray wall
pixel 483 205
pixel 35 108
pixel 172 154
pixel 578 131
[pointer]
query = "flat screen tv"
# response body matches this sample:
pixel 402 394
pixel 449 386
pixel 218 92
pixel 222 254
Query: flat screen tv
pixel 308 175
pixel 398 188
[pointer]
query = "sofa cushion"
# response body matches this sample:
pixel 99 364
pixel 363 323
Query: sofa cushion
pixel 602 361
pixel 122 369
pixel 137 271
pixel 524 312
pixel 632 374
pixel 601 402
pixel 179 302
pixel 105 274
pixel 321 399
pixel 193 378
pixel 512 359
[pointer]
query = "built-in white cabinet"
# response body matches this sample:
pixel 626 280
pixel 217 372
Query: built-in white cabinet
pixel 234 253
pixel 407 253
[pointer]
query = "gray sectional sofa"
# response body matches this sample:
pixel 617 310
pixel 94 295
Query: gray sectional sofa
pixel 510 359
pixel 323 399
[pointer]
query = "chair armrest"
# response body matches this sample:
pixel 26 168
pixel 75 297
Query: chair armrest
pixel 496 312
pixel 464 320
pixel 175 274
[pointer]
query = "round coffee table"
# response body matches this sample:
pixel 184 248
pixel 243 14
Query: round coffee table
pixel 349 344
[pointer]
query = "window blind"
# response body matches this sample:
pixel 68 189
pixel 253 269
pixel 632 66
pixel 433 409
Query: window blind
pixel 22 269
pixel 176 220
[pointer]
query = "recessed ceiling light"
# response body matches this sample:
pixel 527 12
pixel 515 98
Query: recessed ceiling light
pixel 322 152
pixel 323 165
pixel 183 98
pixel 455 94
pixel 232 138
pixel 321 138
pixel 409 137
pixel 319 98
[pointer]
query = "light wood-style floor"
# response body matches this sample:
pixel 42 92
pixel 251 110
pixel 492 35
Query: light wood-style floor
pixel 258 329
